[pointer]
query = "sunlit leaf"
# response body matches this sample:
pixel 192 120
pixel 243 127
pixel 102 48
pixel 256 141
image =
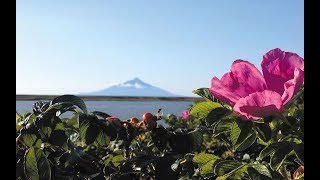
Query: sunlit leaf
pixel 204 92
pixel 205 162
pixel 37 165
pixel 202 109
pixel 262 169
pixel 116 160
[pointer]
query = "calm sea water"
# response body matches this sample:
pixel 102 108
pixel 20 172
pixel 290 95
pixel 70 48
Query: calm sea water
pixel 123 109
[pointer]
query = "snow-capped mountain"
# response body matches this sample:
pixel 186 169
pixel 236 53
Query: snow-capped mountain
pixel 134 87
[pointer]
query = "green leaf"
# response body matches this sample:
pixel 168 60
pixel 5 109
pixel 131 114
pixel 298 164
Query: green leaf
pixel 73 100
pixel 74 121
pixel 216 114
pixel 268 150
pixel 18 117
pixel 205 162
pixel 117 160
pixel 299 152
pixel 88 132
pixel 254 174
pixel 37 166
pixel 108 159
pixel 223 126
pixel 18 127
pixel 262 169
pixel 203 158
pixel 235 132
pixel 204 92
pixel 101 114
pixel 263 130
pixel 236 173
pixel 207 168
pixel 226 166
pixel 242 135
pixel 196 139
pixel 29 139
pixel 281 153
pixel 247 142
pixel 102 139
pixel 202 109
pixel 28 136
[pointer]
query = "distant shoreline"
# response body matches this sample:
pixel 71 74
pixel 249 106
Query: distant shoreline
pixel 109 98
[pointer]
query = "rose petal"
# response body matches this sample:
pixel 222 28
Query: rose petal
pixel 259 104
pixel 293 85
pixel 243 80
pixel 248 76
pixel 224 89
pixel 278 67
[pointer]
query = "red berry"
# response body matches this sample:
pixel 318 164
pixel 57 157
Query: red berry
pixel 115 120
pixel 149 120
pixel 134 120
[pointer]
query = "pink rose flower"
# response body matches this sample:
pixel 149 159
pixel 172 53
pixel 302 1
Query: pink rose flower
pixel 185 114
pixel 254 95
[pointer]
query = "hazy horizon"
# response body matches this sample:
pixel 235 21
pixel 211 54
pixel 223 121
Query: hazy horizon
pixel 69 47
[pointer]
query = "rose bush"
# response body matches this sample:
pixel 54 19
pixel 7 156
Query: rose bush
pixel 213 139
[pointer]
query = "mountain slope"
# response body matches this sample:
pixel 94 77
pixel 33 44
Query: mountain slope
pixel 134 87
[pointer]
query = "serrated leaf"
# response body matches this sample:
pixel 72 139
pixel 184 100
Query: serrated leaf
pixel 281 153
pixel 28 136
pixel 37 165
pixel 262 169
pixel 226 166
pixel 242 135
pixel 223 126
pixel 216 114
pixel 74 100
pixel 196 139
pixel 205 162
pixel 203 158
pixel 116 160
pixel 88 133
pixel 102 139
pixel 18 117
pixel 268 150
pixel 207 168
pixel 299 152
pixel 254 174
pixel 247 142
pixel 204 92
pixel 264 131
pixel 235 132
pixel 74 121
pixel 108 159
pixel 202 109
pixel 236 173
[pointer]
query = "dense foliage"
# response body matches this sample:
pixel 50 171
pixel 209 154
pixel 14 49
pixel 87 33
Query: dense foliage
pixel 213 142
pixel 249 126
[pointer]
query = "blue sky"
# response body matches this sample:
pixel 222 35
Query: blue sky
pixel 74 46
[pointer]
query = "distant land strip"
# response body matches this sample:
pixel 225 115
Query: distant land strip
pixel 109 98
